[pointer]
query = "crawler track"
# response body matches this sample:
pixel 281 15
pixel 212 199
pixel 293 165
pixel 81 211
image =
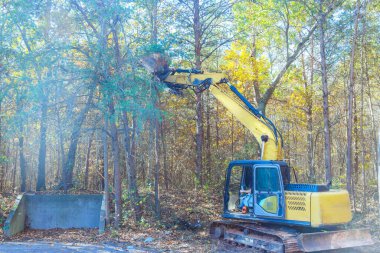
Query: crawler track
pixel 265 238
pixel 282 239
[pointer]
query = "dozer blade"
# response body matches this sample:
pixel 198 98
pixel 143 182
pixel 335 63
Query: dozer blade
pixel 311 242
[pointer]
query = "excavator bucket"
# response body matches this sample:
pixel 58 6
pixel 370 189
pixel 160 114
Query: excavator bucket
pixel 156 64
pixel 320 241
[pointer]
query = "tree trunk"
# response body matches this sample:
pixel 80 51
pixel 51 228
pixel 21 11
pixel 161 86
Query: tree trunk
pixel 20 123
pixel 356 141
pixel 208 135
pixel 350 102
pixel 67 177
pixel 5 178
pixel 269 92
pixel 14 168
pixel 157 170
pixel 41 184
pixel 116 165
pixel 362 137
pixel 326 120
pixel 60 141
pixel 373 124
pixel 4 171
pixel 372 116
pixel 199 105
pixel 86 172
pixel 164 150
pixel 354 180
pixel 1 148
pixel 130 152
pixel 150 156
pixel 22 163
pixel 309 112
pixel 105 170
pixel 378 171
pixel 199 140
pixel 153 22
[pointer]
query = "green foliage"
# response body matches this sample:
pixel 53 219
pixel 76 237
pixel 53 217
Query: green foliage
pixel 144 223
pixel 152 48
pixel 3 159
pixel 115 233
pixel 338 182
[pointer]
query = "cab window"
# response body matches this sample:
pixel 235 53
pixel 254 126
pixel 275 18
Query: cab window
pixel 267 179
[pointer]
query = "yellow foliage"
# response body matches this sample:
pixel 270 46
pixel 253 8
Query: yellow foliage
pixel 243 68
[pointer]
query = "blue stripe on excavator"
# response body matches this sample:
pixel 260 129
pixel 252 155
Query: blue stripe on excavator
pixel 256 112
pixel 250 162
pixel 245 101
pixel 228 215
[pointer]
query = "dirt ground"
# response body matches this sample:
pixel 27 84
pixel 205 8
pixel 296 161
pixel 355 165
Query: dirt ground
pixel 152 241
pixel 183 227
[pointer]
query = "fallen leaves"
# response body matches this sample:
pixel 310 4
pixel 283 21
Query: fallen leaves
pixel 6 203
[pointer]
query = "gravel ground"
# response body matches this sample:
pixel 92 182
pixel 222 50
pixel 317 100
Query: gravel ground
pixel 49 247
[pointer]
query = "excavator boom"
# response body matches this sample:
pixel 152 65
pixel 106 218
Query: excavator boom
pixel 260 126
pixel 257 125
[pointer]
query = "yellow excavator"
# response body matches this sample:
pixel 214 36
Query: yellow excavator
pixel 263 209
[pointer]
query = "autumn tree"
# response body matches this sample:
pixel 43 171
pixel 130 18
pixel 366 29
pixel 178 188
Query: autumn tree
pixel 204 28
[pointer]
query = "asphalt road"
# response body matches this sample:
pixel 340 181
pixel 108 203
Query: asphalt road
pixel 50 247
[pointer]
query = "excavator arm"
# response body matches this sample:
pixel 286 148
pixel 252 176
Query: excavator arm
pixel 261 127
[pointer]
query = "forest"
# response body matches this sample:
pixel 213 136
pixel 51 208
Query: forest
pixel 78 112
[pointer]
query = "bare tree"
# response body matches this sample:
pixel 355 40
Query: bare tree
pixel 378 169
pixel 350 101
pixel 67 172
pixel 105 170
pixel 264 99
pixel 326 119
pixel 205 20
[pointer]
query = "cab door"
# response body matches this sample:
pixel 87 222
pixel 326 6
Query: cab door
pixel 269 199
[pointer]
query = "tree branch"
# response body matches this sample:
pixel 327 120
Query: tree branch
pixel 80 9
pixel 267 95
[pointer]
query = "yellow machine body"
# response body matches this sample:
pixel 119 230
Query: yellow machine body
pixel 319 208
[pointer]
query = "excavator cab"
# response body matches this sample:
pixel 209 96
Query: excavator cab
pixel 255 189
pixel 260 190
pixel 261 198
